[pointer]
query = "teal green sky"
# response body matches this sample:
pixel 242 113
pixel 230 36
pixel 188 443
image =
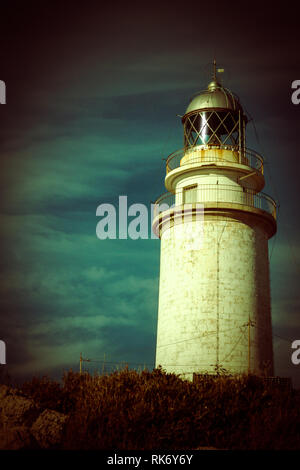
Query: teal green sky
pixel 93 96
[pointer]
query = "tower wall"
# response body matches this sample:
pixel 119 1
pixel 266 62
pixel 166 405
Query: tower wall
pixel 208 291
pixel 203 176
pixel 211 186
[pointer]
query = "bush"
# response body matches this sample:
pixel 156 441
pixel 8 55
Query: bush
pixel 127 410
pixel 47 394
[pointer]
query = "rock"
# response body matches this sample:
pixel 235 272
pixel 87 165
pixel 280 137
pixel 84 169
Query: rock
pixel 23 426
pixel 17 410
pixel 16 438
pixel 48 428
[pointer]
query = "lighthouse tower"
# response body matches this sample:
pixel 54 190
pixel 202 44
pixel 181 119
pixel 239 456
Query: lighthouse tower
pixel 214 312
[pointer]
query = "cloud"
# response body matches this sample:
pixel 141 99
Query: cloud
pixel 68 289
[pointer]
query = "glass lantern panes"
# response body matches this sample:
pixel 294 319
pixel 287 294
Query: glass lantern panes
pixel 212 128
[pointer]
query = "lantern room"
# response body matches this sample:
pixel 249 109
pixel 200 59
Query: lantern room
pixel 215 118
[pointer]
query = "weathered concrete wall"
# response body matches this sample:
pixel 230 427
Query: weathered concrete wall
pixel 207 294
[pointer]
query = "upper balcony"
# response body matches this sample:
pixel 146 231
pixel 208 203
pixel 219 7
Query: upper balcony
pixel 246 164
pixel 214 154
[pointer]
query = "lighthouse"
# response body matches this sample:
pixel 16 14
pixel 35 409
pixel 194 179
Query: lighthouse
pixel 214 223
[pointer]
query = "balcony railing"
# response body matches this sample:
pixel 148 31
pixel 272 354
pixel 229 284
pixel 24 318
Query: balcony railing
pixel 216 193
pixel 207 154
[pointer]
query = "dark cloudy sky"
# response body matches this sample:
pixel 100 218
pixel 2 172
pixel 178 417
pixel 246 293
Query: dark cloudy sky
pixel 93 94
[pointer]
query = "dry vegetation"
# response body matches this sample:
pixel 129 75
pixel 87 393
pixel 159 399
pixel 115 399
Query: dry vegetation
pixel 156 410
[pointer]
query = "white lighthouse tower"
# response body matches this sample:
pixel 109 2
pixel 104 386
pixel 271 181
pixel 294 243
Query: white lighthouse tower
pixel 214 309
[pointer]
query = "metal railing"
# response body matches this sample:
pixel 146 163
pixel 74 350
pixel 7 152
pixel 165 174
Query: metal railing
pixel 216 193
pixel 206 154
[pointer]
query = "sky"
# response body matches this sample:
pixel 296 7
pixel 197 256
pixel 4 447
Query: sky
pixel 94 93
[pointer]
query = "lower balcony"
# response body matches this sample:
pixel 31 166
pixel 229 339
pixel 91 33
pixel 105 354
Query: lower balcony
pixel 217 197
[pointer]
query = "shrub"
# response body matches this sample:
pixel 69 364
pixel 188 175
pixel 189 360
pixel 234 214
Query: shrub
pixel 127 410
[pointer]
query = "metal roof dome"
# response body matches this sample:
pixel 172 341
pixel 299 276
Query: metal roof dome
pixel 216 96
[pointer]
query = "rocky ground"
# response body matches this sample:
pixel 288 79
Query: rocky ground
pixel 24 425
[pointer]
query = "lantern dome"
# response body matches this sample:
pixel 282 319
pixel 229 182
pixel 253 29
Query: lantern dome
pixel 215 97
